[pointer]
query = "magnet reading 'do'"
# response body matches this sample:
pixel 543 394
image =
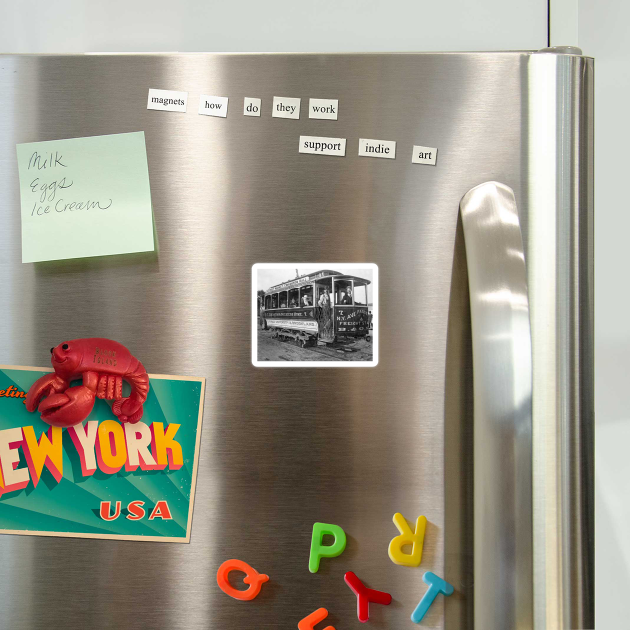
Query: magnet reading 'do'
pixel 102 364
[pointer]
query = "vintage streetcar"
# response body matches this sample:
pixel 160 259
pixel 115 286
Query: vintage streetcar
pixel 317 307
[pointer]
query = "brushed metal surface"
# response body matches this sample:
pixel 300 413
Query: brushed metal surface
pixel 502 368
pixel 560 276
pixel 280 448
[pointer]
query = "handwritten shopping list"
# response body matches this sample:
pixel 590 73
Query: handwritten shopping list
pixel 85 197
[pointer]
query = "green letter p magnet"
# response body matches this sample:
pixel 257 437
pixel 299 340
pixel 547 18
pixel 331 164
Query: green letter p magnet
pixel 319 551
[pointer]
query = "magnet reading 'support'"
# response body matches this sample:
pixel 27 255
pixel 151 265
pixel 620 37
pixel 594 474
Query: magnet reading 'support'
pixel 252 577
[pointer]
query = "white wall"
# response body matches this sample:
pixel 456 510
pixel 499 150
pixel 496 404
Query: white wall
pixel 604 27
pixel 37 26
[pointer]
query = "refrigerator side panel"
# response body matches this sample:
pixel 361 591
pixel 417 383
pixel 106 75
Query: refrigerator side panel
pixel 559 254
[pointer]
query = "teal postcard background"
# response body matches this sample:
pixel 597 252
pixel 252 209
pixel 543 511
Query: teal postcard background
pixel 72 505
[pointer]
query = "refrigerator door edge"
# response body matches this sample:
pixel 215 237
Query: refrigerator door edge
pixel 558 211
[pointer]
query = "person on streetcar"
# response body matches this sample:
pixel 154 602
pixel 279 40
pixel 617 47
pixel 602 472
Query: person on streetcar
pixel 347 296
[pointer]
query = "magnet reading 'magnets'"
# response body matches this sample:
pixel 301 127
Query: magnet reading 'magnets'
pixel 103 364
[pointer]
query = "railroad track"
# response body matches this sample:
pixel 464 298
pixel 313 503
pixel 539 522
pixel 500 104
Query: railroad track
pixel 337 354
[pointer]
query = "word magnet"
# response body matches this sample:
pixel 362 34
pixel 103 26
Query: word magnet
pixel 167 100
pixel 365 595
pixel 309 623
pixel 285 107
pixel 322 146
pixel 424 155
pixel 407 537
pixel 323 108
pixel 377 148
pixel 436 586
pixel 319 551
pixel 252 577
pixel 251 106
pixel 213 105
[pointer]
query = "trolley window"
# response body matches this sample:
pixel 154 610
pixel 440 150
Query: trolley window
pixel 274 300
pixel 343 292
pixel 360 294
pixel 306 295
pixel 294 298
pixel 283 299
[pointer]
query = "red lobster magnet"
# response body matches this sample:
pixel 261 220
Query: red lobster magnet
pixel 103 364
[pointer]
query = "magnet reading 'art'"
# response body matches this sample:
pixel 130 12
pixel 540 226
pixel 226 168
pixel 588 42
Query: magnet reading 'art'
pixel 309 623
pixel 407 537
pixel 102 364
pixel 252 577
pixel 319 551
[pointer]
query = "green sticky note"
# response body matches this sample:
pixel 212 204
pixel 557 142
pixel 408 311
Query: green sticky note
pixel 85 197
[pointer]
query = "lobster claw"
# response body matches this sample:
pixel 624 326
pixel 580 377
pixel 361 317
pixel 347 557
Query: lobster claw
pixel 128 410
pixel 43 386
pixel 68 408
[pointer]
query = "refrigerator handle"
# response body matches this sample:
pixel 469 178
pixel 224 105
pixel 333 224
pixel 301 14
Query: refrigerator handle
pixel 502 374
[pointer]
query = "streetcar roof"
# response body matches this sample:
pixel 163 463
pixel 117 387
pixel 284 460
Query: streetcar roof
pixel 311 277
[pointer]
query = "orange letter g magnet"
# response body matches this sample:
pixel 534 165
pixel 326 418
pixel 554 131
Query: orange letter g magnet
pixel 252 577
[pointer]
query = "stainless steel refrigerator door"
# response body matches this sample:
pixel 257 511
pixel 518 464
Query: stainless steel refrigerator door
pixel 281 448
